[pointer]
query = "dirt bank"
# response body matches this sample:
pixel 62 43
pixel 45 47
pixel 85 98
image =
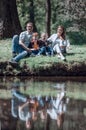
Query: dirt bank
pixel 56 69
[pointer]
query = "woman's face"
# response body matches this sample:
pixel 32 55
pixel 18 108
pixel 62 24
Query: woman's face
pixel 59 31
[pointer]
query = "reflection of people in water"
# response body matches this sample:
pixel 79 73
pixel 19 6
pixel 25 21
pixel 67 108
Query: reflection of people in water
pixel 28 109
pixel 57 109
pixel 20 108
pixel 43 107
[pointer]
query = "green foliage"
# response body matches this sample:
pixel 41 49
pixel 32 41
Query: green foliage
pixel 77 38
pixel 22 7
pixel 70 14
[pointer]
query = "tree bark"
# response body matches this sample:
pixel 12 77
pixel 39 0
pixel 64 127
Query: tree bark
pixel 48 16
pixel 32 19
pixel 9 21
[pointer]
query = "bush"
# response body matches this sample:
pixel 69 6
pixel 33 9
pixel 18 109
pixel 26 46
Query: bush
pixel 77 38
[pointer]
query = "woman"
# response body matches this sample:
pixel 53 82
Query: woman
pixel 59 42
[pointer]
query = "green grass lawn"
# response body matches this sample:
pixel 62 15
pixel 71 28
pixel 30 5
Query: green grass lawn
pixel 77 53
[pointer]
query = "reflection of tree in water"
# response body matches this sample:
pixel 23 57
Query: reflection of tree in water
pixel 74 118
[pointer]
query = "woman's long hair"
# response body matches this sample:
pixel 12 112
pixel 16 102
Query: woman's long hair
pixel 63 34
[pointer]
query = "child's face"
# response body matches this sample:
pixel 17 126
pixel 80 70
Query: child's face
pixel 34 38
pixel 44 37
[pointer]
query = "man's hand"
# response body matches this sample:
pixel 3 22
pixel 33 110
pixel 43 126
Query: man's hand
pixel 29 50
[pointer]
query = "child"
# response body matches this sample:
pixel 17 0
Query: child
pixel 38 47
pixel 48 50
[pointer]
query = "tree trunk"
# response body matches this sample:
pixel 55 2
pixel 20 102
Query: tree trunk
pixel 48 16
pixel 31 11
pixel 9 21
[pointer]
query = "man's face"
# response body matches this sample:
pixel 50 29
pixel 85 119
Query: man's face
pixel 29 27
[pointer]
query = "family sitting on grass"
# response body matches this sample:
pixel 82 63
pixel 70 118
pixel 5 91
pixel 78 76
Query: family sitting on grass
pixel 28 44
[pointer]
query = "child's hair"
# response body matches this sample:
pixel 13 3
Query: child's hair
pixel 43 34
pixel 35 34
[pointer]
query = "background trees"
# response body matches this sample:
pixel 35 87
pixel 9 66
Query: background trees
pixel 9 21
pixel 75 13
pixel 46 15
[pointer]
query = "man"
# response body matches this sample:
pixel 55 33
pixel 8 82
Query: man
pixel 20 107
pixel 20 44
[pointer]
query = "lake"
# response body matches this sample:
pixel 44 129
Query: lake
pixel 59 103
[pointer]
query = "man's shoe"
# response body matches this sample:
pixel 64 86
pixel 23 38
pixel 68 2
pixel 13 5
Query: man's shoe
pixel 12 61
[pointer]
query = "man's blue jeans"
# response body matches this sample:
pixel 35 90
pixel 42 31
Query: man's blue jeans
pixel 16 48
pixel 17 99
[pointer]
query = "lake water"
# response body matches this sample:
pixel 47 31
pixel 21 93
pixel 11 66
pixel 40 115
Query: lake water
pixel 43 95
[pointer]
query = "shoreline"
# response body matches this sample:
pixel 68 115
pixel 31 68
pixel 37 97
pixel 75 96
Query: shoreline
pixel 57 69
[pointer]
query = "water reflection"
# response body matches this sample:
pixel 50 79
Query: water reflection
pixel 28 109
pixel 42 105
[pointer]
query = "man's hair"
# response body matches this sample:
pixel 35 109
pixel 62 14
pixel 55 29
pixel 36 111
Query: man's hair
pixel 30 23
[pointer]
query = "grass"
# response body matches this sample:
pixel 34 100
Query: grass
pixel 5 49
pixel 76 54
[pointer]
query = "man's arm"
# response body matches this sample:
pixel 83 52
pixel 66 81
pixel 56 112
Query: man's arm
pixel 24 105
pixel 23 45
